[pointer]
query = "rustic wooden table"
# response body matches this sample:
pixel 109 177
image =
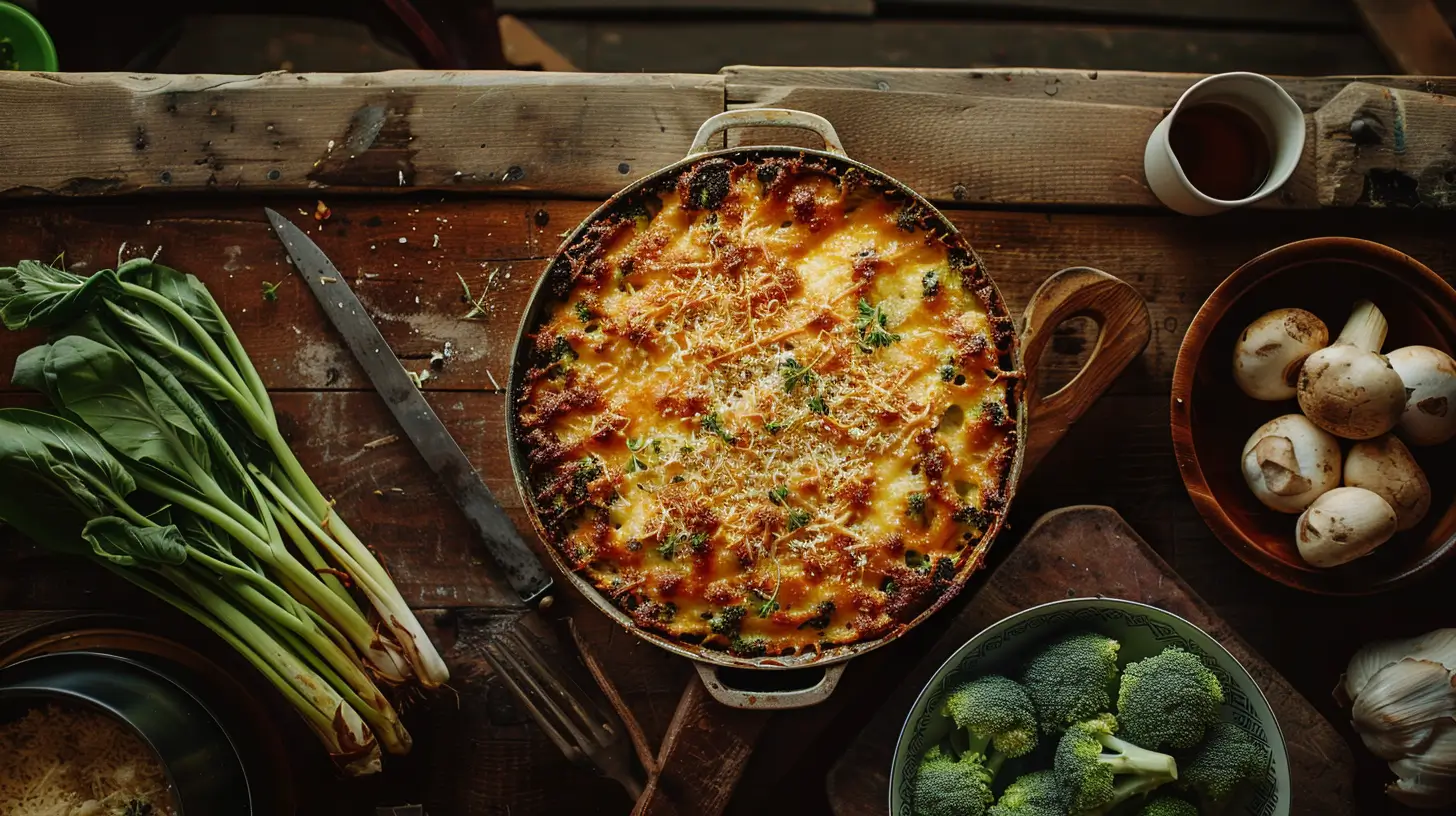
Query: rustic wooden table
pixel 434 178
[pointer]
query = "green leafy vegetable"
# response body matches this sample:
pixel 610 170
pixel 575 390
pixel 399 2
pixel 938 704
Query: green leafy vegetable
pixel 164 463
pixel 817 405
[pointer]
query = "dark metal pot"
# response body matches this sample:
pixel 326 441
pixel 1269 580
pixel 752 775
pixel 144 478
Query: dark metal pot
pixel 201 762
pixel 709 661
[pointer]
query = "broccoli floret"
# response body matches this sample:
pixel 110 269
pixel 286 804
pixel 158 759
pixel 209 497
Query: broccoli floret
pixel 1226 760
pixel 1090 774
pixel 995 710
pixel 1068 680
pixel 1035 794
pixel 1167 806
pixel 946 786
pixel 728 621
pixel 1168 700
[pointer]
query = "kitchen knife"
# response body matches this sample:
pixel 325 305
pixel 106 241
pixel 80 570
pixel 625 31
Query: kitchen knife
pixel 529 665
pixel 522 567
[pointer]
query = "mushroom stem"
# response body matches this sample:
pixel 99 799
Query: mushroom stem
pixel 1366 327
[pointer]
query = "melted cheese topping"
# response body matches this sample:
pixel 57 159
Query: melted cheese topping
pixel 770 414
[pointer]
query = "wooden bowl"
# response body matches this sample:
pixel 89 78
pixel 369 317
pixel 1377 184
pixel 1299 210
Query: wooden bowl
pixel 1212 418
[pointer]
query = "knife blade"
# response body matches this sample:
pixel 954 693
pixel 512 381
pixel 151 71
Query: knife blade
pixel 522 567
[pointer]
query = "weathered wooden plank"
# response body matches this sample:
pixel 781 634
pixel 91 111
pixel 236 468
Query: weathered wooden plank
pixel 706 46
pixel 1386 147
pixel 1297 13
pixel 1148 89
pixel 1173 261
pixel 1412 33
pixel 976 150
pixel 567 134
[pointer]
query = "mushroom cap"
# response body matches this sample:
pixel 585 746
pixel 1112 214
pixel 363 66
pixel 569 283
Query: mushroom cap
pixel 1351 392
pixel 1385 467
pixel 1429 376
pixel 1289 462
pixel 1342 525
pixel 1269 353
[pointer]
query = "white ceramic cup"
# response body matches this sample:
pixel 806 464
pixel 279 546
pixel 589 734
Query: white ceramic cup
pixel 1256 95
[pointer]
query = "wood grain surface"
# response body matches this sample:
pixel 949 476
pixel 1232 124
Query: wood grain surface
pixel 483 131
pixel 1412 34
pixel 476 754
pixel 1110 87
pixel 1077 552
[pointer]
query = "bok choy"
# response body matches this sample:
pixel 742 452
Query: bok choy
pixel 163 462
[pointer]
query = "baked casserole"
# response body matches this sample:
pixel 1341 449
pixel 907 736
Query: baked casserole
pixel 773 408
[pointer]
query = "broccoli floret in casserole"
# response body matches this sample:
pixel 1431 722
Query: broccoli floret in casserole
pixel 1167 701
pixel 1069 679
pixel 1101 771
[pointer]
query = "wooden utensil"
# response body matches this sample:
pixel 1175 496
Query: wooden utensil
pixel 1212 418
pixel 708 744
pixel 1090 550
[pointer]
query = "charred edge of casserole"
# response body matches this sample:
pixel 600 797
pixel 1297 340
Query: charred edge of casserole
pixel 571 490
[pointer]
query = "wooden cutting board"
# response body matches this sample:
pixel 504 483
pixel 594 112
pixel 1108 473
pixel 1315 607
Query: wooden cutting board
pixel 1082 551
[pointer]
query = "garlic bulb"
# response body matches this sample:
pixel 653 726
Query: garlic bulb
pixel 1403 705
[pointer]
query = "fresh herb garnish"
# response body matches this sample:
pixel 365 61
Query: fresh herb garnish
pixel 872 323
pixel 773 426
pixel 817 405
pixel 778 495
pixel 798 518
pixel 713 424
pixel 634 445
pixel 796 374
pixel 270 291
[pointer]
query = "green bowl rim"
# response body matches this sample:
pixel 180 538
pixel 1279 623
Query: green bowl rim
pixel 1099 599
pixel 37 31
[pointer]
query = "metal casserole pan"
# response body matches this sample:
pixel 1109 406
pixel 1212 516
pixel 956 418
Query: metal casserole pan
pixel 708 661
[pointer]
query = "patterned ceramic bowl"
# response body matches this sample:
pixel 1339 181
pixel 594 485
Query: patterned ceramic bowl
pixel 1143 631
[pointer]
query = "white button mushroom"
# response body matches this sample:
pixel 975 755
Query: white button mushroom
pixel 1385 467
pixel 1271 350
pixel 1289 462
pixel 1349 388
pixel 1342 525
pixel 1430 384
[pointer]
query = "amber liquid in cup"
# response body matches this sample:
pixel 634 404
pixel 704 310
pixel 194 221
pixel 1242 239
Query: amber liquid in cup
pixel 1223 151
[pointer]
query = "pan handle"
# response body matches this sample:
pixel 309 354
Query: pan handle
pixel 769 700
pixel 766 117
pixel 1123 330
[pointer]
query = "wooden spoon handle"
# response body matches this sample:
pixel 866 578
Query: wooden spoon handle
pixel 1124 329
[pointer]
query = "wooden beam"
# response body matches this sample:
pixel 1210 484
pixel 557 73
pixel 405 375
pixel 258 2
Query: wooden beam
pixel 1412 33
pixel 1112 87
pixel 559 133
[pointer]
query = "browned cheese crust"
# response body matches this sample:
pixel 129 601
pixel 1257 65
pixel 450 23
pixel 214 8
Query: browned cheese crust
pixel 771 409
